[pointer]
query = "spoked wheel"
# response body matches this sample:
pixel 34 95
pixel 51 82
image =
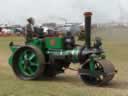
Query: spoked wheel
pixel 28 63
pixel 104 72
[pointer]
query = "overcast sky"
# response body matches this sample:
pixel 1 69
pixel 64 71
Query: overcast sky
pixel 16 11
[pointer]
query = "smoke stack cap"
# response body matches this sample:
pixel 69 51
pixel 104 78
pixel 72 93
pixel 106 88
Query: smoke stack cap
pixel 88 13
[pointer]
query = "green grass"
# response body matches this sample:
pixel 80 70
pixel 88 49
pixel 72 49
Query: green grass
pixel 64 85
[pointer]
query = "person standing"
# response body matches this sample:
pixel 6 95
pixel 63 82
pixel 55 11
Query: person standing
pixel 29 29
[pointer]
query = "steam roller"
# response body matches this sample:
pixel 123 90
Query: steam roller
pixel 49 55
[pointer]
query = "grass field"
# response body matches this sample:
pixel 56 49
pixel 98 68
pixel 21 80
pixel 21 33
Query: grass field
pixel 68 84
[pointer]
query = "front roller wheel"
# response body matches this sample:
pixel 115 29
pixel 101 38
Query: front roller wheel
pixel 104 72
pixel 28 63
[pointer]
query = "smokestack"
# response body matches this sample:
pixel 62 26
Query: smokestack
pixel 87 16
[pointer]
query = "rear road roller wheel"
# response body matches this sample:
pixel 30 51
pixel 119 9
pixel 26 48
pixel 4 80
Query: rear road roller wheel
pixel 28 63
pixel 104 72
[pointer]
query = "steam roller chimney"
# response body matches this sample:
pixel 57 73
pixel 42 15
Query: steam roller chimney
pixel 87 16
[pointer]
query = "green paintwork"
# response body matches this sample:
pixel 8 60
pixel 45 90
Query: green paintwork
pixel 92 64
pixel 28 63
pixel 75 53
pixel 54 43
pixel 13 49
pixel 61 52
pixel 56 49
pixel 38 43
pixel 10 60
pixel 34 42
